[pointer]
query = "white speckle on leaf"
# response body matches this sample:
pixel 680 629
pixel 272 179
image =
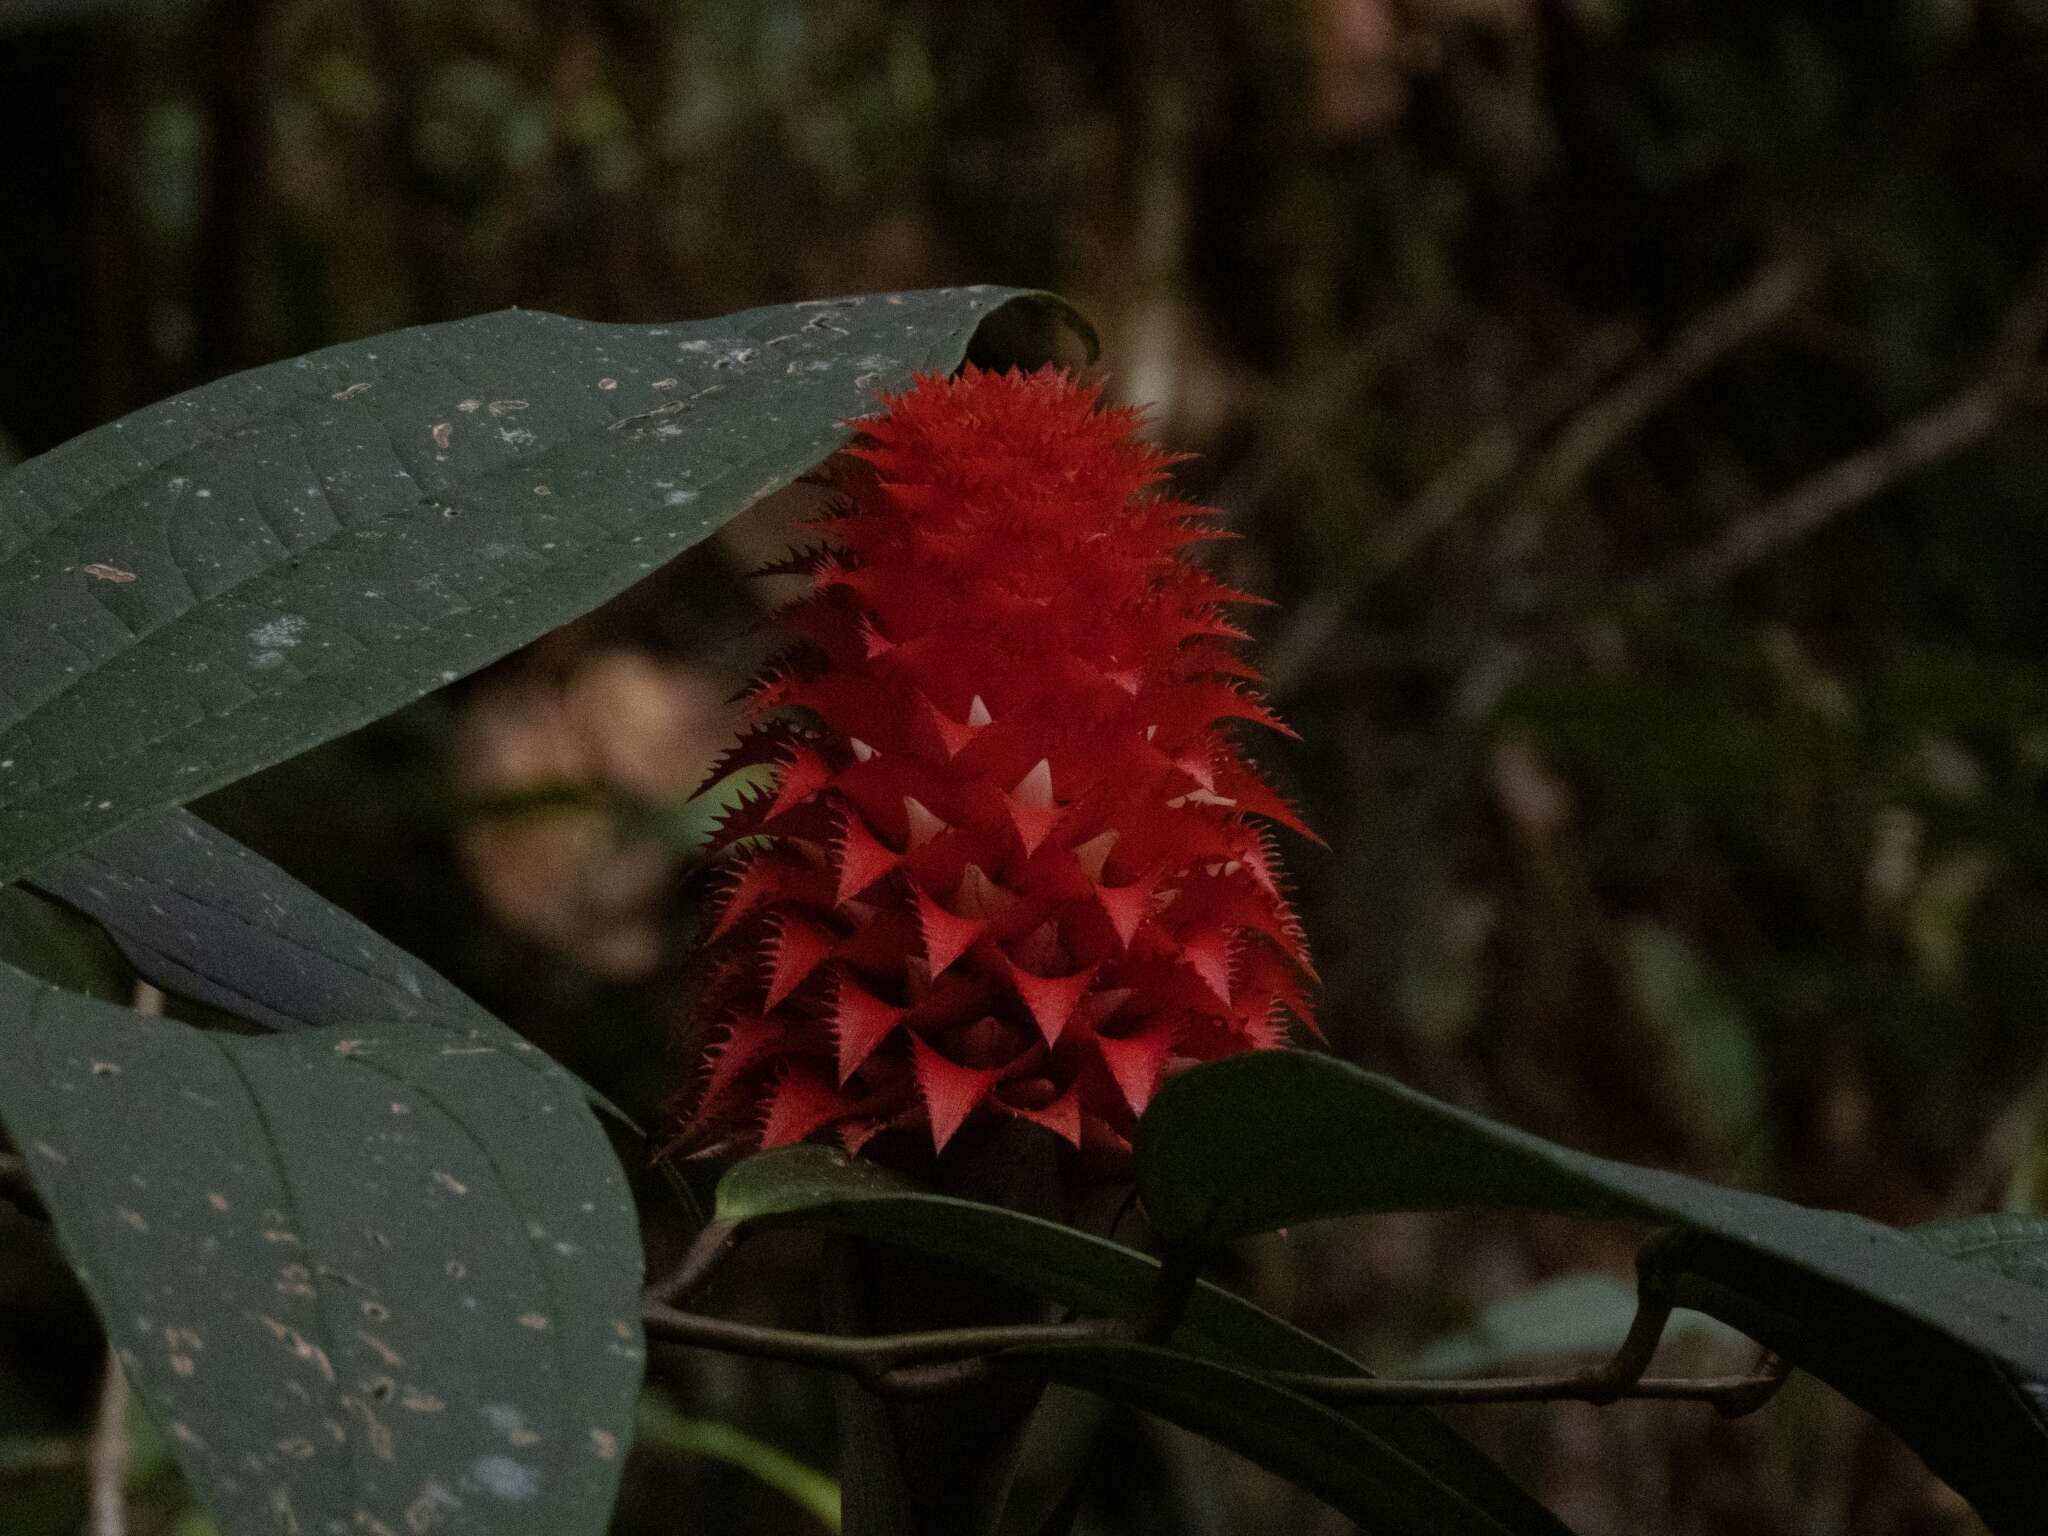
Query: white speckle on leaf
pixel 280 633
pixel 500 407
pixel 351 392
pixel 503 1478
pixel 443 431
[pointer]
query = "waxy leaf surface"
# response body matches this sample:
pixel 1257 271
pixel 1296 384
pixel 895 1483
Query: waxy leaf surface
pixel 376 1279
pixel 230 576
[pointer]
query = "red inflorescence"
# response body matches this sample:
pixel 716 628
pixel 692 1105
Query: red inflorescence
pixel 1011 863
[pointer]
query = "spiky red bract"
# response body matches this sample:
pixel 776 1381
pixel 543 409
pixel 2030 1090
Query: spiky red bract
pixel 1014 864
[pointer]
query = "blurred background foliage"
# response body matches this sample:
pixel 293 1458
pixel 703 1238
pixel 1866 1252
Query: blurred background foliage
pixel 1634 405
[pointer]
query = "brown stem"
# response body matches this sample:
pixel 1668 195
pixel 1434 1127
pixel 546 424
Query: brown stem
pixel 1732 1396
pixel 707 1252
pixel 935 1455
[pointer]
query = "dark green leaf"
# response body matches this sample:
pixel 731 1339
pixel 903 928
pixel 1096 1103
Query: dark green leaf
pixel 383 1279
pixel 230 576
pixel 1949 1353
pixel 1980 1427
pixel 824 1190
pixel 1271 1138
pixel 1310 1444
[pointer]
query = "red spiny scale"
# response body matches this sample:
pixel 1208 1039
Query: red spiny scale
pixel 797 1103
pixel 755 879
pixel 803 774
pixel 860 859
pixel 1013 863
pixel 1138 1061
pixel 860 1022
pixel 795 949
pixel 951 1092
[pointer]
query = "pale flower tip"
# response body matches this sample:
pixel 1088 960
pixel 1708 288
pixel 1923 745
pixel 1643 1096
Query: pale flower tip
pixel 1094 854
pixel 1034 790
pixel 977 713
pixel 924 826
pixel 862 752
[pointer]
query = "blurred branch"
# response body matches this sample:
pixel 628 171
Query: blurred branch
pixel 2011 372
pixel 38 1458
pixel 1487 461
pixel 107 1461
pixel 1300 418
pixel 1772 293
pixel 236 51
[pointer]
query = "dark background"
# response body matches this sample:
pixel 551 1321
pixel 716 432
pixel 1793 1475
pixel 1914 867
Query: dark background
pixel 1636 407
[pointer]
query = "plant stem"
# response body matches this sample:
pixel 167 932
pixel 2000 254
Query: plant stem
pixel 1733 1395
pixel 711 1248
pixel 862 1355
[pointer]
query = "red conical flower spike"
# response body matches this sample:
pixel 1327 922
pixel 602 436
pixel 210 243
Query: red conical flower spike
pixel 1014 863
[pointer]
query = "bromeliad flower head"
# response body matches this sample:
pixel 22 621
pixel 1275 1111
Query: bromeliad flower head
pixel 1011 863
